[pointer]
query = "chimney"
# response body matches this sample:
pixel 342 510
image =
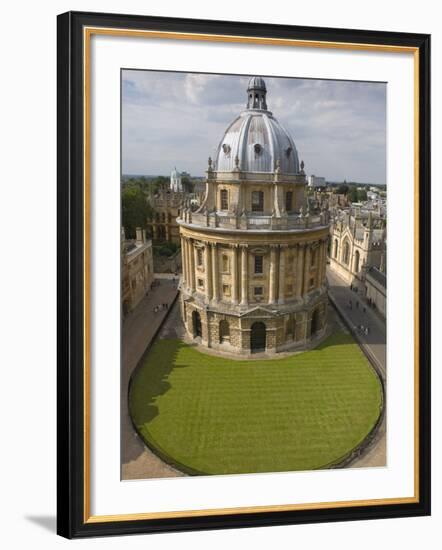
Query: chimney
pixel 140 235
pixel 382 266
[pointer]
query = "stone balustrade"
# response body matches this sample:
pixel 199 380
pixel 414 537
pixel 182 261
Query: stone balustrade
pixel 253 222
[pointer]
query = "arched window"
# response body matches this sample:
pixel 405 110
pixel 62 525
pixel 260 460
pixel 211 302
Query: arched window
pixel 290 330
pixel 289 199
pixel 224 199
pixel 335 251
pixel 315 323
pixel 257 201
pixel 161 233
pixel 199 257
pixel 346 253
pixel 313 258
pixel 196 324
pixel 357 258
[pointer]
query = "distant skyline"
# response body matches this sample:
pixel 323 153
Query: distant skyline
pixel 178 119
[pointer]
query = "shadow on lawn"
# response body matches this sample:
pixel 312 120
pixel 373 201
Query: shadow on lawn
pixel 151 380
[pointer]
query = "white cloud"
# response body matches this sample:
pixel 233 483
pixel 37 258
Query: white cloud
pixel 169 119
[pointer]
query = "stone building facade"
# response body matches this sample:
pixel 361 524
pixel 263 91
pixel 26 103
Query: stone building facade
pixel 254 257
pixel 137 269
pixel 163 226
pixel 376 289
pixel 357 242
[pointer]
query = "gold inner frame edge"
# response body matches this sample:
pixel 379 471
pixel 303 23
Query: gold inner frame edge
pixel 87 34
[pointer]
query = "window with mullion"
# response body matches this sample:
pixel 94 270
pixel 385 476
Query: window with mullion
pixel 258 264
pixel 257 201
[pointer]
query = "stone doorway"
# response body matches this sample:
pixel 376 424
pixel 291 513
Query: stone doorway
pixel 196 321
pixel 258 337
pixel 224 332
pixel 314 327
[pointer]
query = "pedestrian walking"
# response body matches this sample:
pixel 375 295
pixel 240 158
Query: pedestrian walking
pixel 366 331
pixel 363 309
pixel 357 304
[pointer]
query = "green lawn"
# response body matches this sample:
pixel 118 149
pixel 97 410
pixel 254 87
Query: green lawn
pixel 211 415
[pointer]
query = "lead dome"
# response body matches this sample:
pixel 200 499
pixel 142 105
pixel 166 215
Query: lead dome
pixel 255 141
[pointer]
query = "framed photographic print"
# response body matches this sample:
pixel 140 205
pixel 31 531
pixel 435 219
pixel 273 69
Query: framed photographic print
pixel 236 347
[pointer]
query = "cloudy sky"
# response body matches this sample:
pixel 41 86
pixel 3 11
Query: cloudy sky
pixel 178 119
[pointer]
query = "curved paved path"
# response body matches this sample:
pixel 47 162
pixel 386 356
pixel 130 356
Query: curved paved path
pixel 375 346
pixel 139 328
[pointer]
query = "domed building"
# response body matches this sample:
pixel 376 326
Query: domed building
pixel 254 257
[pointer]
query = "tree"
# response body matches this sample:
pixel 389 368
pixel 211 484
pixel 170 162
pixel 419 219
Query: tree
pixel 362 195
pixel 353 194
pixel 135 210
pixel 342 189
pixel 160 182
pixel 187 184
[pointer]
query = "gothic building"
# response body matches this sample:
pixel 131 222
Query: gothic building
pixel 254 256
pixel 358 242
pixel 163 226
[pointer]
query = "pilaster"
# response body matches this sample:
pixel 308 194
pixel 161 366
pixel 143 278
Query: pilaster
pixel 244 274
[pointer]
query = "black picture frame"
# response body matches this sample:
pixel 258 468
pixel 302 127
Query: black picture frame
pixel 71 508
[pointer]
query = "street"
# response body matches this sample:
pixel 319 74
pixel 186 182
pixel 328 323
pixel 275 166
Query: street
pixel 360 314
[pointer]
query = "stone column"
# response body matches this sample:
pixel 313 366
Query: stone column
pixel 215 285
pixel 208 271
pixel 234 275
pixel 183 261
pixel 244 275
pixel 307 268
pixel 319 266
pixel 324 262
pixel 299 270
pixel 192 253
pixel 272 278
pixel 282 250
pixel 188 264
